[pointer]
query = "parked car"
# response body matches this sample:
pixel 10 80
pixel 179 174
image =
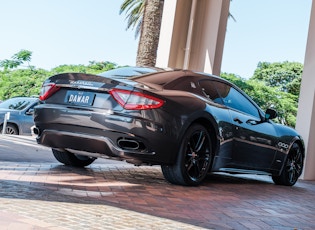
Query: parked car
pixel 21 115
pixel 190 123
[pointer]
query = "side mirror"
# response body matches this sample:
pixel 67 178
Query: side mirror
pixel 270 114
pixel 30 112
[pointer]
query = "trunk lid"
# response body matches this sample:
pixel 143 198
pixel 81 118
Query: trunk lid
pixel 85 90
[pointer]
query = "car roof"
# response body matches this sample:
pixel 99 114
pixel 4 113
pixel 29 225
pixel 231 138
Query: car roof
pixel 156 77
pixel 167 78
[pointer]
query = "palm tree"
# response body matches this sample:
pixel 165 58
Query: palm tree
pixel 146 17
pixel 150 33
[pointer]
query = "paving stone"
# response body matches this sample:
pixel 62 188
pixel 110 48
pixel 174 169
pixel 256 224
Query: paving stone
pixel 112 195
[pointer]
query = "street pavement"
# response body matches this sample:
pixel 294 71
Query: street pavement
pixel 37 192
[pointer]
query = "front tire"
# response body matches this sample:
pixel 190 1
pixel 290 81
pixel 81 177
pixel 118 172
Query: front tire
pixel 193 160
pixel 292 169
pixel 71 159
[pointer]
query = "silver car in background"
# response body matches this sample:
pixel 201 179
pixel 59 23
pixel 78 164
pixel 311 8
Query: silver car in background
pixel 21 115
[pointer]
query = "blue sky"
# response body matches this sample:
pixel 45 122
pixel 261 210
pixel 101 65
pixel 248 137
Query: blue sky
pixel 78 31
pixel 265 30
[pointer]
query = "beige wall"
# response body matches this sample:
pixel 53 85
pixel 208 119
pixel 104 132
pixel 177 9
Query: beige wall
pixel 306 111
pixel 208 27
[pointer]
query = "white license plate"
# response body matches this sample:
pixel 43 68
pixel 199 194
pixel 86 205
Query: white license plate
pixel 80 98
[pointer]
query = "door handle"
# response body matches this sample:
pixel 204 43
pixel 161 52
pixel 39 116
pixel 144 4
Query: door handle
pixel 236 119
pixel 252 122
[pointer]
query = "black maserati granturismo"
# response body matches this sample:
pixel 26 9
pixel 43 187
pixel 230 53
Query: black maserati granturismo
pixel 188 122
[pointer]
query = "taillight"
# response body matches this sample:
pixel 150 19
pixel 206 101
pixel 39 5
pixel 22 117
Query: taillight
pixel 135 100
pixel 47 90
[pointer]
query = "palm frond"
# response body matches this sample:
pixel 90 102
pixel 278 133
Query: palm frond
pixel 134 12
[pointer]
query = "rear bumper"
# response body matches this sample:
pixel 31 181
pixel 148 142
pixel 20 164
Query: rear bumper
pixel 91 145
pixel 98 134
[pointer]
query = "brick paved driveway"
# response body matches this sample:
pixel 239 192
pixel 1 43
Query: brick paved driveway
pixel 116 195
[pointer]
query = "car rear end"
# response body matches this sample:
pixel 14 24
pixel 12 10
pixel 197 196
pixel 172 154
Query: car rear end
pixel 104 117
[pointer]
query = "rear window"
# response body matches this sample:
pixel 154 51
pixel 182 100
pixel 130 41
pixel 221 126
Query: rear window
pixel 127 72
pixel 163 78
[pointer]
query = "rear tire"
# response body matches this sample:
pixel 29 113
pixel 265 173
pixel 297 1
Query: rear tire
pixel 193 160
pixel 10 129
pixel 71 159
pixel 292 169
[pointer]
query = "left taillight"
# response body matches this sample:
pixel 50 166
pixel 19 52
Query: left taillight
pixel 135 100
pixel 47 90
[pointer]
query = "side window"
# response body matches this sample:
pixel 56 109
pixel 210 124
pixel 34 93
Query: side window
pixel 234 99
pixel 30 110
pixel 209 91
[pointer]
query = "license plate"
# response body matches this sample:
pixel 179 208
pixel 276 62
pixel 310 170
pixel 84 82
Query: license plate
pixel 80 98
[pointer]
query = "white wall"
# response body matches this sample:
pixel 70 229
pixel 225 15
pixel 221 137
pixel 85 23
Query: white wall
pixel 306 111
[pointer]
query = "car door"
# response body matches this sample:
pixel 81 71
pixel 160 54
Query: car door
pixel 26 119
pixel 254 139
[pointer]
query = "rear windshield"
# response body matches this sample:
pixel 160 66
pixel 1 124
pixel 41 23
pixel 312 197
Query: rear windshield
pixel 127 72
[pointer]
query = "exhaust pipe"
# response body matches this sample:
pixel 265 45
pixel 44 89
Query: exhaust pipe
pixel 35 130
pixel 128 144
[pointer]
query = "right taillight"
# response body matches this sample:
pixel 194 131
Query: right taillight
pixel 135 100
pixel 47 90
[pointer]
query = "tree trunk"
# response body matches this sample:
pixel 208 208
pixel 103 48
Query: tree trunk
pixel 150 33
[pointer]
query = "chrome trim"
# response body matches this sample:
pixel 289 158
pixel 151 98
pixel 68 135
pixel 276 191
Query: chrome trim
pixel 243 171
pixel 82 87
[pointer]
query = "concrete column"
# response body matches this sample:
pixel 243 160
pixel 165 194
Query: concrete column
pixel 206 38
pixel 305 123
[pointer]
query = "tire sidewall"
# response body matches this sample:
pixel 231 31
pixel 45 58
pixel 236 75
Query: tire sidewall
pixel 16 131
pixel 283 179
pixel 285 172
pixel 182 154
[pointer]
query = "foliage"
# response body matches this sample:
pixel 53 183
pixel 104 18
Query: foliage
pixel 17 60
pixel 21 82
pixel 285 75
pixel 134 10
pixel 93 68
pixel 27 82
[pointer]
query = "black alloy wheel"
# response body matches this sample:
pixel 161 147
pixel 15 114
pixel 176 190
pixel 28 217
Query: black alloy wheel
pixel 10 129
pixel 194 158
pixel 292 169
pixel 71 159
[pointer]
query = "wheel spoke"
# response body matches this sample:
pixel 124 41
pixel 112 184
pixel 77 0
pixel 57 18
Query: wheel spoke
pixel 294 166
pixel 189 164
pixel 200 141
pixel 190 148
pixel 194 169
pixel 293 175
pixel 9 130
pixel 298 169
pixel 297 156
pixel 197 155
